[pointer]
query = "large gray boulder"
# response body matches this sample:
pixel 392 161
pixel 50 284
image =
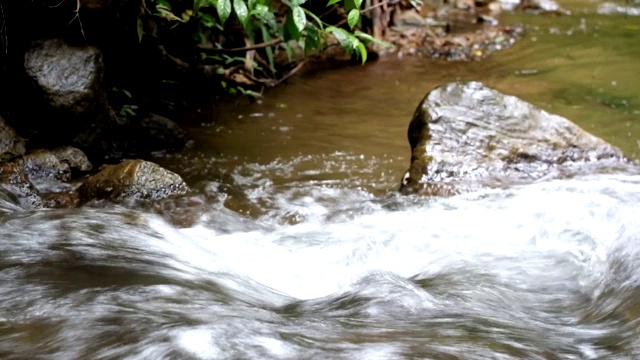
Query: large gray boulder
pixel 465 136
pixel 69 77
pixel 11 145
pixel 132 180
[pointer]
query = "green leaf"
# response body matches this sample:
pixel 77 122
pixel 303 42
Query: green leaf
pixel 362 50
pixel 127 110
pixel 289 50
pixel 332 2
pixel 186 15
pixel 314 17
pixel 164 10
pixel 265 16
pixel 358 3
pixel 313 40
pixel 267 37
pixel 207 20
pixel 342 36
pixel 197 4
pixel 259 9
pixel 299 18
pixel 349 5
pixel 249 92
pixel 230 59
pixel 369 38
pixel 224 10
pixel 291 31
pixel 353 18
pixel 241 10
pixel 140 28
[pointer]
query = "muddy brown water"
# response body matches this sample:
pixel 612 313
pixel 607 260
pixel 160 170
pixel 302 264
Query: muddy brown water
pixel 303 250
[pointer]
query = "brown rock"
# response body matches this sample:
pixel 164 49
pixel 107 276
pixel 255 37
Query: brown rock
pixel 132 180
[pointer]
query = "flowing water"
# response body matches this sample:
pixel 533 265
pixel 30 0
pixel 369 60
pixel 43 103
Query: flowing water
pixel 297 246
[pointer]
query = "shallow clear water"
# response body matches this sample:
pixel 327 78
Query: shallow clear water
pixel 297 246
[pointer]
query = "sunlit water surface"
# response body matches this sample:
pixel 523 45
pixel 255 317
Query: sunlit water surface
pixel 300 247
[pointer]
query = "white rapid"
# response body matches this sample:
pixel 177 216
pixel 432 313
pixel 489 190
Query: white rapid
pixel 544 271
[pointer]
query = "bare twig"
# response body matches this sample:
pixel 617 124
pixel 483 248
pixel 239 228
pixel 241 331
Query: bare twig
pixel 374 6
pixel 376 15
pixel 3 32
pixel 77 16
pixel 328 12
pixel 292 72
pixel 263 45
pixel 262 62
pixel 274 82
pixel 54 6
pixel 180 63
pixel 144 6
pixel 248 57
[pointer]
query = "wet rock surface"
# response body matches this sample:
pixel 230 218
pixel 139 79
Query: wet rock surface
pixel 465 136
pixel 57 164
pixel 69 77
pixel 42 178
pixel 61 200
pixel 11 145
pixel 132 180
pixel 16 186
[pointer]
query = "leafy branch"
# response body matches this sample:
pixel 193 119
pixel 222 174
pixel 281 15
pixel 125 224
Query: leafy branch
pixel 268 28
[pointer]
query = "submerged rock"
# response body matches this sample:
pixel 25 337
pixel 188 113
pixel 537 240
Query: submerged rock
pixel 11 145
pixel 61 200
pixel 465 136
pixel 132 180
pixel 16 185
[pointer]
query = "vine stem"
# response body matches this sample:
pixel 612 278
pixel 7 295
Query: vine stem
pixel 263 45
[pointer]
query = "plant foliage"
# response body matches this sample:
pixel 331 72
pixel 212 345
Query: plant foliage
pixel 258 30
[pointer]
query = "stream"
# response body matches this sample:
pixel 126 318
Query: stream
pixel 298 246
